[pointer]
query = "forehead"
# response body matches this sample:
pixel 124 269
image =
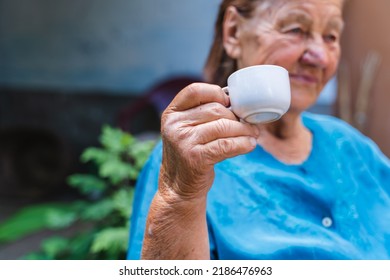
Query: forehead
pixel 270 3
pixel 322 11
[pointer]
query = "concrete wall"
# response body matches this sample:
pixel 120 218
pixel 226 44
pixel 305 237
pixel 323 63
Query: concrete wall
pixel 118 46
pixel 122 46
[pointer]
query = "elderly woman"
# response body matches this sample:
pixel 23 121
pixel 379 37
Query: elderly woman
pixel 303 187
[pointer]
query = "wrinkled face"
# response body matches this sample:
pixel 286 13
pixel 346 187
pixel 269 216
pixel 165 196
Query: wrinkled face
pixel 300 35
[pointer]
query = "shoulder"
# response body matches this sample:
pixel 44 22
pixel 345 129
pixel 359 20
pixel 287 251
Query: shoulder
pixel 332 127
pixel 338 134
pixel 326 123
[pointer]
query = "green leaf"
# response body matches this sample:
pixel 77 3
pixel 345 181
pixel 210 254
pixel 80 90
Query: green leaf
pixel 116 171
pixel 80 245
pixel 118 162
pixel 111 239
pixel 140 152
pixel 115 140
pixel 98 210
pixel 57 218
pixel 28 220
pixel 55 246
pixel 95 155
pixel 36 256
pixel 123 200
pixel 87 184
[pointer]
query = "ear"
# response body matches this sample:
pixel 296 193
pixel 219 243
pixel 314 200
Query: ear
pixel 231 32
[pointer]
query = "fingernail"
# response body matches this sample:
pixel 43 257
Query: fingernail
pixel 253 141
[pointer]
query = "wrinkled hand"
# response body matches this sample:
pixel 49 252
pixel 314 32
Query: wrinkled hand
pixel 198 130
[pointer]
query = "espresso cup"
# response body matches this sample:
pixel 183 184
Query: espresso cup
pixel 259 94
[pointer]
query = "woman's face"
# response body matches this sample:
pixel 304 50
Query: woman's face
pixel 300 35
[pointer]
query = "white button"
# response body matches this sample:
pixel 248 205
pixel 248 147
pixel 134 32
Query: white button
pixel 327 222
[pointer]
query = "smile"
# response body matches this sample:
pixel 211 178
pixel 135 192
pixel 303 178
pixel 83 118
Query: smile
pixel 307 79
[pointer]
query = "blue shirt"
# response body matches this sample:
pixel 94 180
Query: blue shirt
pixel 335 205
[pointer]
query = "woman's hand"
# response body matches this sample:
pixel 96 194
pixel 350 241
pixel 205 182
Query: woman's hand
pixel 198 130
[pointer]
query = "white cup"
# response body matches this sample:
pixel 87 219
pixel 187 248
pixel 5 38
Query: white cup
pixel 259 94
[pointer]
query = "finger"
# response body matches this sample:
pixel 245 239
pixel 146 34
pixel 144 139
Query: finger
pixel 197 94
pixel 221 149
pixel 223 128
pixel 206 113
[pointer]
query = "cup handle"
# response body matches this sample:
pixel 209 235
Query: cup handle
pixel 226 90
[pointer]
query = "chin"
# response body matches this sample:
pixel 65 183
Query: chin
pixel 299 106
pixel 301 100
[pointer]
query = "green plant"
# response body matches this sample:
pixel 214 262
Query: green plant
pixel 103 213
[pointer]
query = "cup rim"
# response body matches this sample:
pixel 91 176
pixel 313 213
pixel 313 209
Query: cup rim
pixel 256 66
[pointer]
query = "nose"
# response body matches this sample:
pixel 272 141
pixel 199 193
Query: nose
pixel 315 53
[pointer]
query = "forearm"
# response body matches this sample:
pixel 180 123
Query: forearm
pixel 176 229
pixel 198 131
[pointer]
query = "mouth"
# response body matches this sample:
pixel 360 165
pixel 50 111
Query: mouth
pixel 305 79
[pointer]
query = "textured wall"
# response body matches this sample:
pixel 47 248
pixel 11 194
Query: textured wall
pixel 115 45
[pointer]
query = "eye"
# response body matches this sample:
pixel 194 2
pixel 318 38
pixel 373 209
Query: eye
pixel 331 38
pixel 297 31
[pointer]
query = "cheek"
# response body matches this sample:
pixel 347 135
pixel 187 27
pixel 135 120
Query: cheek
pixel 284 52
pixel 270 48
pixel 286 58
pixel 334 61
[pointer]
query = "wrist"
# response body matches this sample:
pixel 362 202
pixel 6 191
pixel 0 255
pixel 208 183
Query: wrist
pixel 178 188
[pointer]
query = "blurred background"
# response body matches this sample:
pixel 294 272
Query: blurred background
pixel 68 68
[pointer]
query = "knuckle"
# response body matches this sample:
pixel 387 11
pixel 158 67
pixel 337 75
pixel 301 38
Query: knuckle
pixel 166 124
pixel 221 126
pixel 182 133
pixel 217 109
pixel 165 133
pixel 193 154
pixel 225 146
pixel 196 158
pixel 193 89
